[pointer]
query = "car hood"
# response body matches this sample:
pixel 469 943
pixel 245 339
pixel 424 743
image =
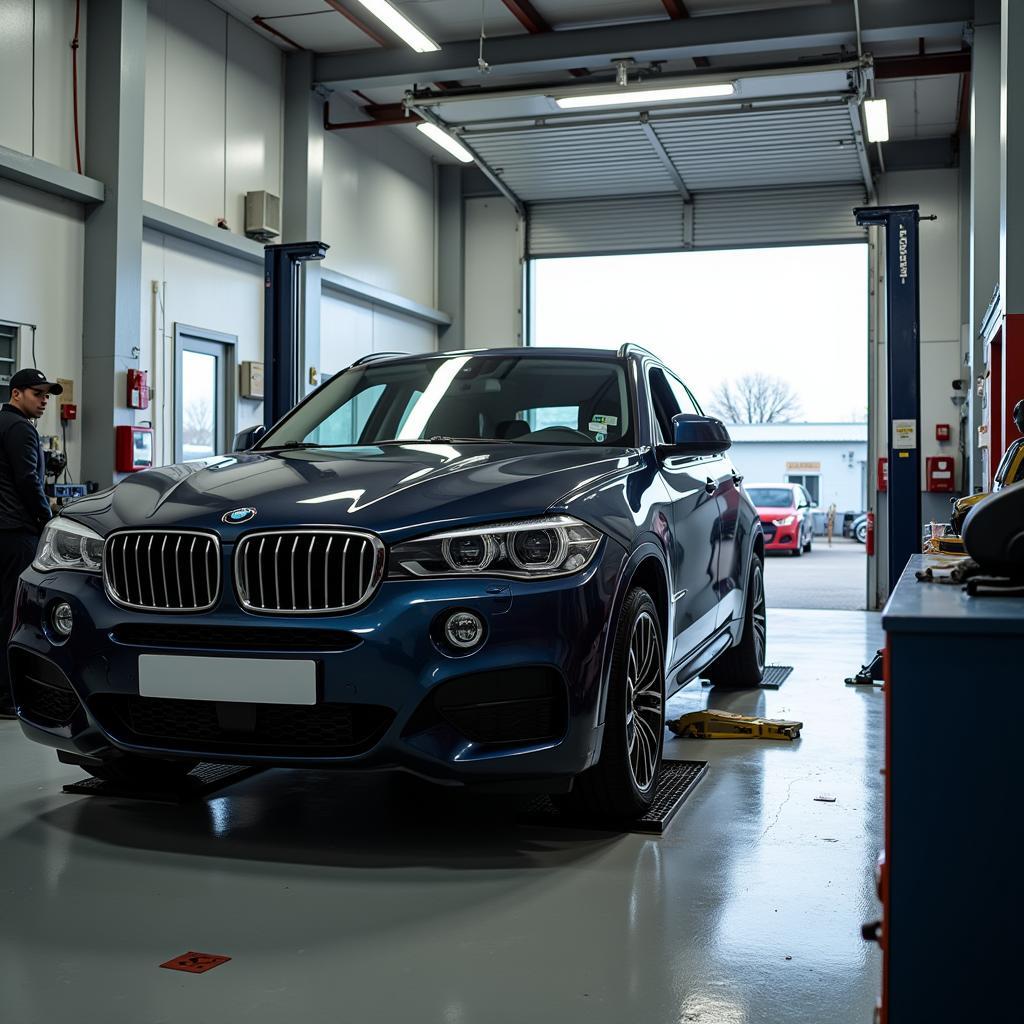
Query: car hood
pixel 392 490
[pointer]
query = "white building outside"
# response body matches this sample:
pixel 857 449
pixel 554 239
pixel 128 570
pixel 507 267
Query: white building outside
pixel 829 459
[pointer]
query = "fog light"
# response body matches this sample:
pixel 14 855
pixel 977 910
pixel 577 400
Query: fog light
pixel 463 630
pixel 61 619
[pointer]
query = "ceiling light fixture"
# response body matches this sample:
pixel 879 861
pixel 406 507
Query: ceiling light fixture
pixel 401 25
pixel 445 141
pixel 876 113
pixel 633 97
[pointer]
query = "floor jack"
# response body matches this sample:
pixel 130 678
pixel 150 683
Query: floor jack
pixel 725 725
pixel 871 673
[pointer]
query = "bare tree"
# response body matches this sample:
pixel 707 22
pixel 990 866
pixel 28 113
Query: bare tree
pixel 755 398
pixel 198 426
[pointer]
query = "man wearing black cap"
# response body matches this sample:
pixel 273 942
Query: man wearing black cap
pixel 24 508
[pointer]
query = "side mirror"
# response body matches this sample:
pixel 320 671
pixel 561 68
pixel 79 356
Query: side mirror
pixel 245 439
pixel 699 435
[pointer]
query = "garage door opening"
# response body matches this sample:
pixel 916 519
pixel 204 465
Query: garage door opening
pixel 774 341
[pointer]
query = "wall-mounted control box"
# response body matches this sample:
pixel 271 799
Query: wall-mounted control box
pixel 251 380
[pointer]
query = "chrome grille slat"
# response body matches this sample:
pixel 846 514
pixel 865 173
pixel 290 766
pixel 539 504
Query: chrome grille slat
pixel 269 570
pixel 143 569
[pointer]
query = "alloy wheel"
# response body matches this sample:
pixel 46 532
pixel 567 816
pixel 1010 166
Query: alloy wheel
pixel 644 701
pixel 759 617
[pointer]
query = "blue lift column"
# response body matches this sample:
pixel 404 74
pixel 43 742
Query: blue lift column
pixel 903 344
pixel 282 373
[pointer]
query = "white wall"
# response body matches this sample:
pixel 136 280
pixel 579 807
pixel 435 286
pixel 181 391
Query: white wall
pixel 350 329
pixel 840 481
pixel 35 73
pixel 202 289
pixel 214 112
pixel 936 192
pixel 42 241
pixel 379 209
pixel 494 274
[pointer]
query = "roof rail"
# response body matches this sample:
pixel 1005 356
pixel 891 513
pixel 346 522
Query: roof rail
pixel 631 348
pixel 370 356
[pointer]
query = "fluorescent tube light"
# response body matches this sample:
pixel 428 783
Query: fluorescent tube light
pixel 401 25
pixel 445 141
pixel 631 97
pixel 876 113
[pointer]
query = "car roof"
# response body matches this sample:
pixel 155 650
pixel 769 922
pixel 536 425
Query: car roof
pixel 529 351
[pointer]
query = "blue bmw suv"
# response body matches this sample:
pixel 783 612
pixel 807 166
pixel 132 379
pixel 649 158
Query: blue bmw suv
pixel 481 567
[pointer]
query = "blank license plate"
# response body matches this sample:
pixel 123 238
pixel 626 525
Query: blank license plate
pixel 251 680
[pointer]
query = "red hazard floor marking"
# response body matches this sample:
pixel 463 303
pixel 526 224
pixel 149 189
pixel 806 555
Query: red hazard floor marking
pixel 195 963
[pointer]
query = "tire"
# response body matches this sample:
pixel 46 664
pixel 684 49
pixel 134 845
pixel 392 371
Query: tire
pixel 141 771
pixel 742 667
pixel 861 533
pixel 622 785
pixel 799 549
pixel 810 543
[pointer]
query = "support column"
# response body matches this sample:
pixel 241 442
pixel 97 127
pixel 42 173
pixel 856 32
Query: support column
pixel 451 257
pixel 111 316
pixel 1011 231
pixel 984 214
pixel 303 191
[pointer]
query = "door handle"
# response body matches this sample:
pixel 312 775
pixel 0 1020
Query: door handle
pixel 711 486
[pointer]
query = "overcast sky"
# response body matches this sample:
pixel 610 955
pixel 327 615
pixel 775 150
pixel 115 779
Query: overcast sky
pixel 797 313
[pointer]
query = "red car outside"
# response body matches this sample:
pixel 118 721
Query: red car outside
pixel 785 511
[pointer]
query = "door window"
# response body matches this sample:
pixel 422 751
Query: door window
pixel 808 482
pixel 204 393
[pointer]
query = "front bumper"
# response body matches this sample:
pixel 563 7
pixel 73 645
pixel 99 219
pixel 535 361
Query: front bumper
pixel 525 705
pixel 780 538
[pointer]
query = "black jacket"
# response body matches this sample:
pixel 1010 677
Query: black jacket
pixel 23 504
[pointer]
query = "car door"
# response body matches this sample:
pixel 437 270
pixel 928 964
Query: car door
pixel 803 511
pixel 729 581
pixel 693 484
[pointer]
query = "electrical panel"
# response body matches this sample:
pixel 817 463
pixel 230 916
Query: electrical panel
pixel 262 215
pixel 251 380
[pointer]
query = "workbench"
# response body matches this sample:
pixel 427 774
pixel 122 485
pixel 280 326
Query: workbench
pixel 952 883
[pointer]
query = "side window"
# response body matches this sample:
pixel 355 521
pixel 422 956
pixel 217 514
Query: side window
pixel 346 423
pixel 665 405
pixel 682 395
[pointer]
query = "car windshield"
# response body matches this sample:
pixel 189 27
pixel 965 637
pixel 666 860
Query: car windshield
pixel 532 400
pixel 771 497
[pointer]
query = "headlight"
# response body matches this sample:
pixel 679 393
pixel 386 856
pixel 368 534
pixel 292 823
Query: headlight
pixel 532 549
pixel 66 544
pixel 785 521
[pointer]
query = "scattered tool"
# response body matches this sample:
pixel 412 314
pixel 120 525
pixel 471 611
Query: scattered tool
pixel 871 673
pixel 725 725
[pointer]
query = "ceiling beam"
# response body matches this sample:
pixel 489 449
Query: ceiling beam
pixel 923 66
pixel 666 161
pixel 823 26
pixel 528 16
pixel 359 23
pixel 677 11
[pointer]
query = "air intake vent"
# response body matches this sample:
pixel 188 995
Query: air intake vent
pixel 166 570
pixel 301 571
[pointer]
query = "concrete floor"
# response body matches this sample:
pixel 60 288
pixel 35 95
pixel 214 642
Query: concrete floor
pixel 333 910
pixel 831 578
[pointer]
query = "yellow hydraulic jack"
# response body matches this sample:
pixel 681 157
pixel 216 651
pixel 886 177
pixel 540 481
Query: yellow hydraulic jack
pixel 724 725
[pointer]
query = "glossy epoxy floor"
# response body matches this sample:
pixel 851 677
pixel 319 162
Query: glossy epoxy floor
pixel 334 910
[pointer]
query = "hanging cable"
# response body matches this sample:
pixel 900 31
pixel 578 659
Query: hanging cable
pixel 481 64
pixel 74 84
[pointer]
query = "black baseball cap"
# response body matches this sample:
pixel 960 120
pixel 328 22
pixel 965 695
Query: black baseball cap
pixel 34 379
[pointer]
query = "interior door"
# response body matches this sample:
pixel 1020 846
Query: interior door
pixel 204 393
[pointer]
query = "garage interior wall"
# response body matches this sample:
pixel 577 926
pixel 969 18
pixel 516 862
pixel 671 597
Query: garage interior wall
pixel 214 109
pixel 42 237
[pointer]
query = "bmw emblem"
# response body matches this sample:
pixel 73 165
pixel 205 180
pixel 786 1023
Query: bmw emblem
pixel 238 516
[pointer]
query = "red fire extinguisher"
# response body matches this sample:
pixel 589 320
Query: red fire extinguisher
pixel 869 543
